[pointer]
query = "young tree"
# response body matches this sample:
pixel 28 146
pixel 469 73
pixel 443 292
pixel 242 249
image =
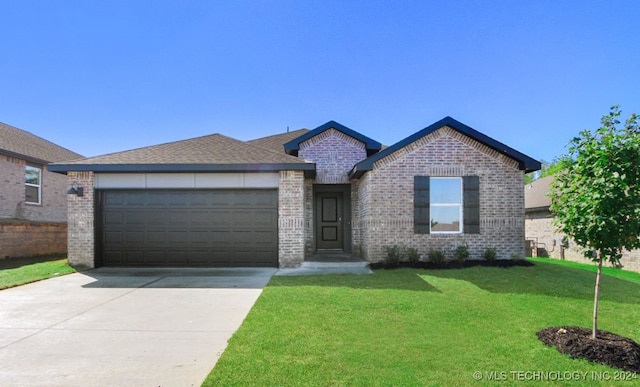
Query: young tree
pixel 596 198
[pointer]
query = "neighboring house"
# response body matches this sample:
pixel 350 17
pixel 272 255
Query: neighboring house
pixel 278 200
pixel 546 240
pixel 30 193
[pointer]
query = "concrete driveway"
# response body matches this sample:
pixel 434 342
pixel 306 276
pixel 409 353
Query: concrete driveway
pixel 123 327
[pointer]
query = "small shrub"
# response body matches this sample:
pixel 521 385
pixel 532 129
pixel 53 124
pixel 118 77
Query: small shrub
pixel 461 253
pixel 412 255
pixel 436 256
pixel 394 253
pixel 490 254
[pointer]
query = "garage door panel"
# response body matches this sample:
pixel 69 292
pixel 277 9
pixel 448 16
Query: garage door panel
pixel 134 217
pixel 114 237
pixel 155 237
pixel 131 199
pixel 134 238
pixel 133 258
pixel 189 228
pixel 176 217
pixel 200 217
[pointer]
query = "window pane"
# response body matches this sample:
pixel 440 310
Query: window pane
pixel 32 194
pixel 445 218
pixel 32 175
pixel 446 191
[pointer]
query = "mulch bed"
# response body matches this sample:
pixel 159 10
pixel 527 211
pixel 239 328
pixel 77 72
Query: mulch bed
pixel 505 263
pixel 608 348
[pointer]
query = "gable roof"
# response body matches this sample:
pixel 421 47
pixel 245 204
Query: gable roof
pixel 526 163
pixel 276 142
pixel 21 144
pixel 293 146
pixel 212 153
pixel 535 194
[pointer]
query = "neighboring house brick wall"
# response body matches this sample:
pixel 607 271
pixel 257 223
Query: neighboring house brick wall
pixel 53 207
pixel 81 232
pixel 386 197
pixel 334 153
pixel 29 239
pixel 291 219
pixel 540 229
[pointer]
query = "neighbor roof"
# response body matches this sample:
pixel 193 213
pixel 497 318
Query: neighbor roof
pixel 535 194
pixel 277 141
pixel 293 146
pixel 526 163
pixel 21 144
pixel 214 153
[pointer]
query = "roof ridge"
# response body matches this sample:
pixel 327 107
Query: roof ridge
pixel 161 144
pixel 277 134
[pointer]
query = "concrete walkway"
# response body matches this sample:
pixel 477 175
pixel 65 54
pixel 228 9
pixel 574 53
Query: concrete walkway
pixel 123 327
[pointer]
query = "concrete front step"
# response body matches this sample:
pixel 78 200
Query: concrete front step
pixel 336 264
pixel 315 268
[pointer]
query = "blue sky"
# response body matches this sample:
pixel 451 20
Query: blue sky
pixel 104 76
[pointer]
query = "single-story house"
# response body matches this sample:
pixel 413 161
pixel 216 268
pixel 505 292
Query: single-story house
pixel 33 201
pixel 546 240
pixel 278 200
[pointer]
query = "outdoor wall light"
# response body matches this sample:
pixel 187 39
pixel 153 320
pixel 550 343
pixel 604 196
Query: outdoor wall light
pixel 75 190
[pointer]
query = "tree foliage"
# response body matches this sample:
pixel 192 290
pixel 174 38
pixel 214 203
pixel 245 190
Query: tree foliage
pixel 596 196
pixel 549 168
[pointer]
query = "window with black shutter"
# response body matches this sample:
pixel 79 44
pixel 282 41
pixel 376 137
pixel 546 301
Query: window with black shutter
pixel 446 205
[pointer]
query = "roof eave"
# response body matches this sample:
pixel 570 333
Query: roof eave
pixel 308 168
pixel 371 145
pixel 525 162
pixel 24 157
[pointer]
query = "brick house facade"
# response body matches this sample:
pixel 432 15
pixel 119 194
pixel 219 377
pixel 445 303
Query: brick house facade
pixel 546 240
pixel 338 192
pixel 33 202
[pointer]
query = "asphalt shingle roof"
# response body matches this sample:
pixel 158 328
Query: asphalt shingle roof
pixel 214 152
pixel 20 143
pixel 277 141
pixel 535 193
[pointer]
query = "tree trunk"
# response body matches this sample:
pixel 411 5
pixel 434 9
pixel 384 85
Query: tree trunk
pixel 596 297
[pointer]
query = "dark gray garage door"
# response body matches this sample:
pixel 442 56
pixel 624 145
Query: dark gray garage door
pixel 188 227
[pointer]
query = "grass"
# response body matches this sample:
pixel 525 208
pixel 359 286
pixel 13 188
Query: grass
pixel 20 271
pixel 424 327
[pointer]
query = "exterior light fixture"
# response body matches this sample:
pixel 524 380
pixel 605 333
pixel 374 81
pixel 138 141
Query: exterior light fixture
pixel 75 190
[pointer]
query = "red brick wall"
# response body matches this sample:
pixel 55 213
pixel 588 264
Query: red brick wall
pixel 28 239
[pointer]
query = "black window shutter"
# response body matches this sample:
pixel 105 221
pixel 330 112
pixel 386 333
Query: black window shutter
pixel 421 218
pixel 471 199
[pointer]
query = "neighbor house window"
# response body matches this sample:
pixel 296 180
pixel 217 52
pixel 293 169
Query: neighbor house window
pixel 446 205
pixel 445 197
pixel 33 184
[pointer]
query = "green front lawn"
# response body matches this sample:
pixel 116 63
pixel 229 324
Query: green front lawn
pixel 20 271
pixel 424 327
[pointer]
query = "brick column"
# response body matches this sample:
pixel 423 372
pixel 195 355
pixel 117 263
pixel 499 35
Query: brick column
pixel 291 219
pixel 80 222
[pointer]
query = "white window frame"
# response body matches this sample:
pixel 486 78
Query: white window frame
pixel 38 186
pixel 460 205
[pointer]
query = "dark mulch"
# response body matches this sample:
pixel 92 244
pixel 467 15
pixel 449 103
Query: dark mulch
pixel 505 263
pixel 608 348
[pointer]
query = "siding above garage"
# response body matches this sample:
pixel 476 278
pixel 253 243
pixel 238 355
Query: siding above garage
pixel 186 180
